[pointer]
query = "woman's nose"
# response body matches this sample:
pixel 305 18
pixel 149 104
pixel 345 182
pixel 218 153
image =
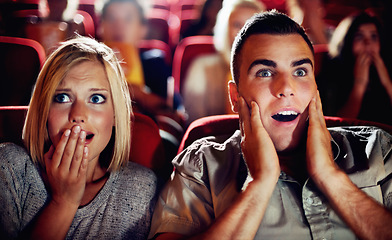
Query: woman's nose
pixel 78 113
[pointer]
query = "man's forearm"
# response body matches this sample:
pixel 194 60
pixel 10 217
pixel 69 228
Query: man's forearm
pixel 243 218
pixel 366 217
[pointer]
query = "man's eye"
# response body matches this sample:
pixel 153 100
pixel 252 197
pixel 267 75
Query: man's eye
pixel 264 73
pixel 97 98
pixel 300 73
pixel 61 98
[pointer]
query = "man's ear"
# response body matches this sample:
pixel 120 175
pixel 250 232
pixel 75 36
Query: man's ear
pixel 234 95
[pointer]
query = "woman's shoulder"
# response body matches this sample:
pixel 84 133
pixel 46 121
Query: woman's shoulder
pixel 16 163
pixel 134 172
pixel 9 146
pixel 12 152
pixel 136 180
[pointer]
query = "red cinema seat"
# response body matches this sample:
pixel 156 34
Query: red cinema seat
pixel 148 44
pixel 20 62
pixel 187 50
pixel 228 124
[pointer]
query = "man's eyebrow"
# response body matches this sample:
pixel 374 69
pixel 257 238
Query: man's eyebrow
pixel 301 62
pixel 264 62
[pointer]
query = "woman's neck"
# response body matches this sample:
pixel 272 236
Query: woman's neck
pixel 95 171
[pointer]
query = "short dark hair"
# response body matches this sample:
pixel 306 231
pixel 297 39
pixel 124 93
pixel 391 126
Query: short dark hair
pixel 270 22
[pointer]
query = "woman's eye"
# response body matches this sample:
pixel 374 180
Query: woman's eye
pixel 97 98
pixel 264 73
pixel 61 98
pixel 374 37
pixel 300 73
pixel 358 37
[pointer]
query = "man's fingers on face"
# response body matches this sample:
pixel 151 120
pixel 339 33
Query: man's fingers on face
pixel 312 110
pixel 255 116
pixel 319 107
pixel 244 116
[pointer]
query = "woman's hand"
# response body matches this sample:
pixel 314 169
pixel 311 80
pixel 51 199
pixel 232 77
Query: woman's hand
pixel 257 146
pixel 382 73
pixel 352 106
pixel 361 70
pixel 66 168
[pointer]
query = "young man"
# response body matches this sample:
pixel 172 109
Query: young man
pixel 284 175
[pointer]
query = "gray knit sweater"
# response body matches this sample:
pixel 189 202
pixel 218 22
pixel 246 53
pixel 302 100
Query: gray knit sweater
pixel 121 210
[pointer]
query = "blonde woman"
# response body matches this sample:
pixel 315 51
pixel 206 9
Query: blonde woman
pixel 205 87
pixel 74 179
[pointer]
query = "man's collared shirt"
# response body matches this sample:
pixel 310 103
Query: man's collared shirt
pixel 211 173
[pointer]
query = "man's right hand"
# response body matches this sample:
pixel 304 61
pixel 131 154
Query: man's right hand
pixel 259 151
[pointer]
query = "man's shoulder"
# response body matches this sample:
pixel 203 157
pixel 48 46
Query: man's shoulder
pixel 216 142
pixel 202 152
pixel 362 135
pixel 363 152
pixel 360 132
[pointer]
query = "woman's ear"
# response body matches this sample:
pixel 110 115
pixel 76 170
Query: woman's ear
pixel 234 95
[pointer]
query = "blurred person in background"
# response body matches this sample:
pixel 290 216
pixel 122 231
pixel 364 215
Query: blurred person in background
pixel 356 83
pixel 310 15
pixel 61 23
pixel 123 27
pixel 205 23
pixel 205 86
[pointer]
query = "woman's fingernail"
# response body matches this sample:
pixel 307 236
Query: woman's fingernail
pixel 83 135
pixel 67 132
pixel 76 129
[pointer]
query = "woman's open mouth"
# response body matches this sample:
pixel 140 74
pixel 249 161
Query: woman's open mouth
pixel 89 137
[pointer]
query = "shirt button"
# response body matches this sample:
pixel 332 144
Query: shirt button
pixel 309 200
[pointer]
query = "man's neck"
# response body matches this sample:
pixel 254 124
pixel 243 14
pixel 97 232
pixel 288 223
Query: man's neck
pixel 294 165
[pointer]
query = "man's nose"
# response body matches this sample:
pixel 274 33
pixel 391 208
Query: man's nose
pixel 284 86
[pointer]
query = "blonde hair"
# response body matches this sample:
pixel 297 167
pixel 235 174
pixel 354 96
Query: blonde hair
pixel 221 30
pixel 56 67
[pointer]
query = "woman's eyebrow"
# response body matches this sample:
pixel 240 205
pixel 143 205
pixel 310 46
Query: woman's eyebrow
pixel 98 89
pixel 90 90
pixel 301 62
pixel 63 90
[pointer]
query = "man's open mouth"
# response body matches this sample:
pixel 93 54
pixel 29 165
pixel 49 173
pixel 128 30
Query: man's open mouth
pixel 89 136
pixel 285 116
